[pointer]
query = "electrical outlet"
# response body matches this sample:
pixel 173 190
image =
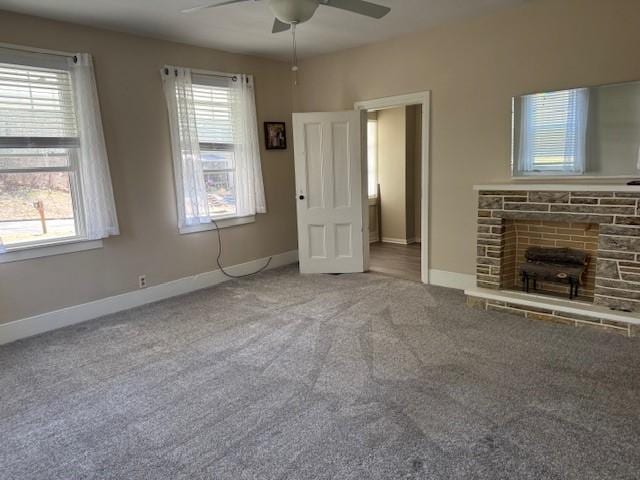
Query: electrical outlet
pixel 142 281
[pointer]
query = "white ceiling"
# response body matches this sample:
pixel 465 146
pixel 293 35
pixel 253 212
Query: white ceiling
pixel 246 27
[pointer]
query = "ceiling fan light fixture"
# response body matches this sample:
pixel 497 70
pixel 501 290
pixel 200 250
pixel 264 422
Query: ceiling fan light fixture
pixel 293 12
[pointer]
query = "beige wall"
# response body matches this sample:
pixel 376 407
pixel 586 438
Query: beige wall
pixel 137 136
pixel 473 68
pixel 392 172
pixel 399 156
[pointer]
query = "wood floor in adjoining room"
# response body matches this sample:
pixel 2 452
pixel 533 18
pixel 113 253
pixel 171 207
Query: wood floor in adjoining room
pixel 401 261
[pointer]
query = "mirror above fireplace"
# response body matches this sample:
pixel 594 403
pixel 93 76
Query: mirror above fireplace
pixel 579 132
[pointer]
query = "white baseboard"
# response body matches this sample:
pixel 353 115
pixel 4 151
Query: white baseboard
pixel 398 241
pixel 373 237
pixel 27 327
pixel 460 281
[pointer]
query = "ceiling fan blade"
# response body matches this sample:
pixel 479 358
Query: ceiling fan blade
pixel 358 6
pixel 211 5
pixel 279 26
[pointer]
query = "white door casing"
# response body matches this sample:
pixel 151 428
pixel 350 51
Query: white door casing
pixel 329 155
pixel 423 99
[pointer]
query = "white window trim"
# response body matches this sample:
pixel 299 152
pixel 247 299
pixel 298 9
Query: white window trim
pixel 223 222
pixel 60 247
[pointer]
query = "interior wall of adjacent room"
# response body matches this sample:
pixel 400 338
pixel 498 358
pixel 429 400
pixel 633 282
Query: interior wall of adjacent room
pixel 473 68
pixel 392 148
pixel 137 137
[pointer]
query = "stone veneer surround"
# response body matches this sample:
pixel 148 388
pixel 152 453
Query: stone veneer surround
pixel 616 211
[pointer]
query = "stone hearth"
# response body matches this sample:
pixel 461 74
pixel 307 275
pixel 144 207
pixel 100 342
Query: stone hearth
pixel 605 221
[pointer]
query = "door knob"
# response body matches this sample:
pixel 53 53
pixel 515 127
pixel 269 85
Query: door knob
pixel 301 197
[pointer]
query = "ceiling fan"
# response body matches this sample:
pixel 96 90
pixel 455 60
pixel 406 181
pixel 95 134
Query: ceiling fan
pixel 294 12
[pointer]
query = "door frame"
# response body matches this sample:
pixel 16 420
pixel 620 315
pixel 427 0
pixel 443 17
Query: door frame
pixel 423 99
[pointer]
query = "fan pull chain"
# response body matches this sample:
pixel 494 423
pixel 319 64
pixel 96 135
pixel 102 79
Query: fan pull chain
pixel 294 58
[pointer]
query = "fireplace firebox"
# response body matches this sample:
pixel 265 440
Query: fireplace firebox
pixel 556 265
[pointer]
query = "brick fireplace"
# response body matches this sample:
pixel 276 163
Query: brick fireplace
pixel 602 221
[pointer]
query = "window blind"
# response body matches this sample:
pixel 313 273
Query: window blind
pixel 213 105
pixel 553 131
pixel 36 107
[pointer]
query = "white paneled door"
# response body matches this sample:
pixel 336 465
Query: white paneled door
pixel 330 190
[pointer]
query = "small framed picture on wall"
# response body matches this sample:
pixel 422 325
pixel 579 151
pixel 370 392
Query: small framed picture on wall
pixel 275 136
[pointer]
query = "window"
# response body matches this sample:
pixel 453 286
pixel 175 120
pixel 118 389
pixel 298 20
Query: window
pixel 212 101
pixel 38 158
pixel 44 170
pixel 372 157
pixel 552 133
pixel 216 156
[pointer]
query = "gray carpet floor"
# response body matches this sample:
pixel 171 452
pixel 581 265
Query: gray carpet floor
pixel 283 376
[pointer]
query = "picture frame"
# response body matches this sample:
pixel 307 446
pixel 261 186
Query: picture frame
pixel 275 135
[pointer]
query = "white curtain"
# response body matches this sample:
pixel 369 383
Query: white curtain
pixel 191 193
pixel 249 185
pixel 99 210
pixel 525 137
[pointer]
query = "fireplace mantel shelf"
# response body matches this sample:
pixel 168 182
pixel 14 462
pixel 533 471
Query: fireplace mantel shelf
pixel 560 187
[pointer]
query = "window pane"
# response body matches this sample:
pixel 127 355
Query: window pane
pixel 372 157
pixel 27 158
pixel 217 160
pixel 554 128
pixel 221 193
pixel 24 197
pixel 553 131
pixel 213 113
pixel 36 102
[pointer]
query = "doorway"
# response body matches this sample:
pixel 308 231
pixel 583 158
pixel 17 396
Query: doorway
pixel 397 185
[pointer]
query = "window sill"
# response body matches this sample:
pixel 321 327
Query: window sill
pixel 223 222
pixel 573 177
pixel 45 250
